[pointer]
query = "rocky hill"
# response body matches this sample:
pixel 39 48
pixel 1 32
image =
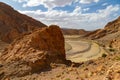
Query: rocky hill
pixel 33 52
pixel 111 27
pixel 74 31
pixel 12 23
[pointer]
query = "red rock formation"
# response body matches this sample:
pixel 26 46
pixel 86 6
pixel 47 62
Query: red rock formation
pixel 12 23
pixel 34 51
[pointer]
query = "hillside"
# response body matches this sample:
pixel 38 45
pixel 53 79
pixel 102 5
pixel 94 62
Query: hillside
pixel 12 23
pixel 74 31
pixel 111 27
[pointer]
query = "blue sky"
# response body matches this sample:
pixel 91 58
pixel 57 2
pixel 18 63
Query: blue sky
pixel 80 14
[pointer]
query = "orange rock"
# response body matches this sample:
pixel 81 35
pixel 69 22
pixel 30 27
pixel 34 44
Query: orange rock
pixel 36 51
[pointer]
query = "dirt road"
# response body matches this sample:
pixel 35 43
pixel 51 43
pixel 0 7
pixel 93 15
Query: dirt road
pixel 83 50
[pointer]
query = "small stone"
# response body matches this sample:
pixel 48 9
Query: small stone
pixel 90 74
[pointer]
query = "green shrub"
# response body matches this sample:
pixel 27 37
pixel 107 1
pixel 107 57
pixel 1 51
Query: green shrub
pixel 67 79
pixel 117 58
pixel 104 55
pixel 112 50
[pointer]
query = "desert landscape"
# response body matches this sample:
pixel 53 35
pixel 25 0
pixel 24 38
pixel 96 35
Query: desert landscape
pixel 79 50
pixel 32 50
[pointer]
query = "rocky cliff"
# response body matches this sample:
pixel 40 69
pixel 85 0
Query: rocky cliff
pixel 34 52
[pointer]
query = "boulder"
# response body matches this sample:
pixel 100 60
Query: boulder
pixel 34 52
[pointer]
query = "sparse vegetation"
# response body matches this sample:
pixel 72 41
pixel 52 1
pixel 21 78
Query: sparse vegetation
pixel 58 75
pixel 117 58
pixel 104 55
pixel 67 79
pixel 111 50
pixel 110 46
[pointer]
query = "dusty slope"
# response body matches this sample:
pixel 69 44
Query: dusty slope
pixel 102 69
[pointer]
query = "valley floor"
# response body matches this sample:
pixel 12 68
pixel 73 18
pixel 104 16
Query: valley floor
pixel 79 50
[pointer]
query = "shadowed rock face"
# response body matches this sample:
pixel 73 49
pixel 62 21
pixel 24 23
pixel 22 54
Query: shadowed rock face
pixel 12 23
pixel 34 52
pixel 110 28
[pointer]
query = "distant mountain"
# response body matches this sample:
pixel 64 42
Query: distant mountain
pixel 74 31
pixel 111 27
pixel 13 24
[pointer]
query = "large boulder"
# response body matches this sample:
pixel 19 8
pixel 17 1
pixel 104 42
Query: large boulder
pixel 34 52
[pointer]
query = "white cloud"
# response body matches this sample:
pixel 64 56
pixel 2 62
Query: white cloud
pixel 88 1
pixel 47 3
pixel 77 10
pixel 75 19
pixel 20 1
pixel 104 4
pixel 53 3
pixel 104 13
pixel 86 9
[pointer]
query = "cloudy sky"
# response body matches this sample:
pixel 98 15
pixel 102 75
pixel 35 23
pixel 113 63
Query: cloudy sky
pixel 80 14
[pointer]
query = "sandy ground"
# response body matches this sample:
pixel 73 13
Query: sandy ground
pixel 82 50
pixel 102 69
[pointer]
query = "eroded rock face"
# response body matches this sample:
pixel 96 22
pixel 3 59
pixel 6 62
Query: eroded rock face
pixel 13 24
pixel 34 52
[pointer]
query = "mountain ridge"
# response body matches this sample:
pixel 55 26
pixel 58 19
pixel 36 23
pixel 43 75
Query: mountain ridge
pixel 110 27
pixel 13 23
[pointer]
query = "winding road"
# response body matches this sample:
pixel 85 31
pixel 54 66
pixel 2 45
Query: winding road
pixel 82 50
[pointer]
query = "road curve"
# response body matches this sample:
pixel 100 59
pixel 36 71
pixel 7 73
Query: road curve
pixel 83 50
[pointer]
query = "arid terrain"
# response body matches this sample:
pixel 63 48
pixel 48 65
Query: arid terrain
pixel 79 50
pixel 31 50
